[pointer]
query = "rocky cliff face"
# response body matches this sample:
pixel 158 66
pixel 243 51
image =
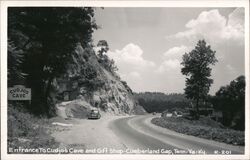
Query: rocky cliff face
pixel 91 85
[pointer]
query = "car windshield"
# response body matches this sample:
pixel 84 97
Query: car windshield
pixel 94 111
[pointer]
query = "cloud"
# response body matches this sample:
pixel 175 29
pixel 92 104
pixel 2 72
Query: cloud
pixel 176 52
pixel 130 56
pixel 131 76
pixel 169 71
pixel 132 66
pixel 167 65
pixel 236 17
pixel 172 59
pixel 169 75
pixel 214 27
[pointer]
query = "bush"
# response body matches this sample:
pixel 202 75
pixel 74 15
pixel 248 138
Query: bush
pixel 27 131
pixel 90 78
pixel 203 128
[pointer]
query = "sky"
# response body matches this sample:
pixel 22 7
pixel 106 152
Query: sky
pixel 147 44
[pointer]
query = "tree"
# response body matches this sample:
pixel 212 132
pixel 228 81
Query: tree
pixel 108 64
pixel 196 66
pixel 104 47
pixel 230 99
pixel 48 37
pixel 15 60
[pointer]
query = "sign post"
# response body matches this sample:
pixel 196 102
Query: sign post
pixel 19 93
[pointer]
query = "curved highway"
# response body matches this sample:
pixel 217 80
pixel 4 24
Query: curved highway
pixel 137 133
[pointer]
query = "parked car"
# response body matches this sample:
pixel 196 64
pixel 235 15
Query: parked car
pixel 94 114
pixel 177 114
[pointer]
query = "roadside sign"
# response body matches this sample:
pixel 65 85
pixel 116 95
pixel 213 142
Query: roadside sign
pixel 19 93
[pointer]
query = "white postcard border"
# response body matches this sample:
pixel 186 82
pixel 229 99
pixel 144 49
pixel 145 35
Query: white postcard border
pixel 187 3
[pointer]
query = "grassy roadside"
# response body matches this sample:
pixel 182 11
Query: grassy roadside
pixel 203 128
pixel 27 131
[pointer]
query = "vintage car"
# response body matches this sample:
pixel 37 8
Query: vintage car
pixel 94 114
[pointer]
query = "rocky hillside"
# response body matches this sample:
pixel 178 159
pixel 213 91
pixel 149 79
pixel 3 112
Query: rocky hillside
pixel 54 57
pixel 89 84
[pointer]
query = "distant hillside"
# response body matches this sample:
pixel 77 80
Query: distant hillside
pixel 158 102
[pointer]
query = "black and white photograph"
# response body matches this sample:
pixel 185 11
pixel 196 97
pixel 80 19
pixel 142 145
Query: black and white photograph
pixel 89 81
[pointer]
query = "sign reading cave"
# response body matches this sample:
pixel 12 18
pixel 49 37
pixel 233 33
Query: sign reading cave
pixel 19 93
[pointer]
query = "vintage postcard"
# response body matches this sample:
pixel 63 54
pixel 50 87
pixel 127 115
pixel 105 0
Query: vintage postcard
pixel 125 80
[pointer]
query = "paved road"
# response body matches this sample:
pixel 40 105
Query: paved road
pixel 135 134
pixel 138 133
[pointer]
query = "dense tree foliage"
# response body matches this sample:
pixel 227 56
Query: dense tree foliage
pixel 104 47
pixel 159 102
pixel 196 66
pixel 104 60
pixel 89 78
pixel 15 60
pixel 43 39
pixel 230 100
